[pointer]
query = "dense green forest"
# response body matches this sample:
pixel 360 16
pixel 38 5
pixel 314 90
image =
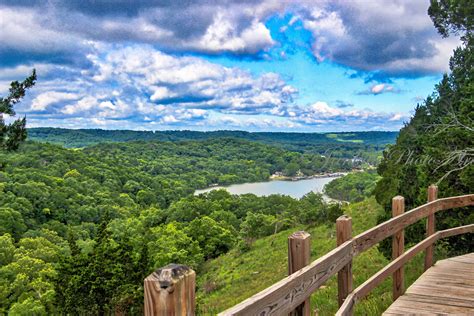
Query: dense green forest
pixel 353 187
pixel 437 145
pixel 365 146
pixel 81 228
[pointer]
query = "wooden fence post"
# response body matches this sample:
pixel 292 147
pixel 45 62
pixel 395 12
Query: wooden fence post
pixel 344 276
pixel 398 245
pixel 170 291
pixel 430 226
pixel 299 256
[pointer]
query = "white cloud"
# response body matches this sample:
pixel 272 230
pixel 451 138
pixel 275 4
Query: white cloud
pixel 81 106
pixel 161 93
pixel 43 100
pixel 394 37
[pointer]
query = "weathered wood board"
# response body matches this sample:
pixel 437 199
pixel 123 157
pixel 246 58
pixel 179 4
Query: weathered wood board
pixel 445 288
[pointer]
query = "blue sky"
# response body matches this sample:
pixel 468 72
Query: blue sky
pixel 307 66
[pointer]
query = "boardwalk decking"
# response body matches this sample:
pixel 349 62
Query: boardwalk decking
pixel 445 288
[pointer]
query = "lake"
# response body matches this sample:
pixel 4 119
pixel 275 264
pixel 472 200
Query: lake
pixel 295 189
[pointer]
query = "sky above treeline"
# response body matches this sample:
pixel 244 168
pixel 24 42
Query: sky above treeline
pixel 305 66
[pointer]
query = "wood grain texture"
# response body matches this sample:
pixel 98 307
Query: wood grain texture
pixel 344 277
pixel 457 231
pixel 430 226
pixel 398 247
pixel 287 294
pixel 445 288
pixel 299 256
pixel 170 291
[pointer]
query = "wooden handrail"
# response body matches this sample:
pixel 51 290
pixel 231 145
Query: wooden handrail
pixel 364 289
pixel 285 295
pixel 386 229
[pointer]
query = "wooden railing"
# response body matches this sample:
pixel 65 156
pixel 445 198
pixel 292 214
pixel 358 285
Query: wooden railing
pixel 288 294
pixel 170 290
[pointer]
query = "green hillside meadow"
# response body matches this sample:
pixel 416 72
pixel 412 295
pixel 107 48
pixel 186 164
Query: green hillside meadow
pixel 235 276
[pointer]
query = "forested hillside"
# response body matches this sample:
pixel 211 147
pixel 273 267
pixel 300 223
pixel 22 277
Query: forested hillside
pixel 80 229
pixel 437 145
pixel 366 146
pixel 353 187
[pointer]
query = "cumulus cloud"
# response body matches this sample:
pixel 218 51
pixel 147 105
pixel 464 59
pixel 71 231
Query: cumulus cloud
pixel 380 88
pixel 367 36
pixel 43 100
pixel 396 38
pixel 141 87
pixel 26 35
pixel 160 88
pixel 211 27
pixel 98 70
pixel 332 118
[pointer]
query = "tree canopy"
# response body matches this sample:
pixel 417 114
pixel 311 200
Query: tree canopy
pixel 11 135
pixel 437 145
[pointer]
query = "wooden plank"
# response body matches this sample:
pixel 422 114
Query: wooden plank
pixel 398 247
pixel 285 295
pixel 432 297
pixel 344 277
pixel 430 226
pixel 469 257
pixel 446 288
pixel 299 255
pixel 406 306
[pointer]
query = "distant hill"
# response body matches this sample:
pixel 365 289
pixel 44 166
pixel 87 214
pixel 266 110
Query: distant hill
pixel 77 138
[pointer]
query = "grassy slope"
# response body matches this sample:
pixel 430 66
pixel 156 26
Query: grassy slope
pixel 231 278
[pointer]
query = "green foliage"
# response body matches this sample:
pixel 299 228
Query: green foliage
pixel 13 134
pixel 213 238
pixel 452 16
pixel 437 145
pixel 11 222
pixel 353 187
pixel 338 148
pixel 83 228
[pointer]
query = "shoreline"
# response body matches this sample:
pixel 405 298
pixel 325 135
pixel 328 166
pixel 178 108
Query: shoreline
pixel 274 177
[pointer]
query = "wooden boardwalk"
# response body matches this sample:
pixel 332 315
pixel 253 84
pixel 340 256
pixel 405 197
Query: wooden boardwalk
pixel 445 288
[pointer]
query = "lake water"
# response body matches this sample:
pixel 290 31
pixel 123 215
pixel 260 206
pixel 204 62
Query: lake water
pixel 295 189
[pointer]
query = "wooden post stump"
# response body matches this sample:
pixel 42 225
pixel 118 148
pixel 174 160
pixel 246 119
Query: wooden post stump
pixel 170 291
pixel 344 276
pixel 398 247
pixel 299 256
pixel 430 226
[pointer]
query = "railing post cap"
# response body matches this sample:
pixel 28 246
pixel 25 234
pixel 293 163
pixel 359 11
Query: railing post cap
pixel 398 197
pixel 299 235
pixel 343 218
pixel 169 274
